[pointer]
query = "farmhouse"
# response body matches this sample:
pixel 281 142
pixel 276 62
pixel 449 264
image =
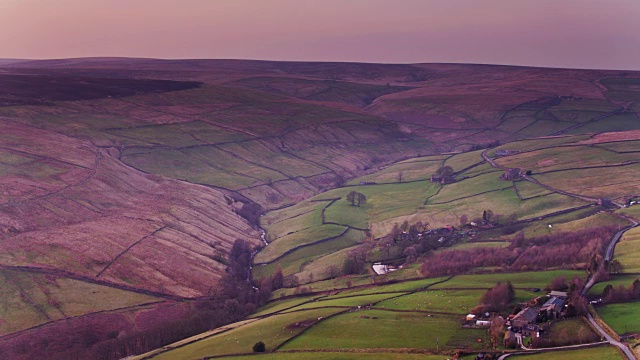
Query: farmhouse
pixel 526 316
pixel 553 307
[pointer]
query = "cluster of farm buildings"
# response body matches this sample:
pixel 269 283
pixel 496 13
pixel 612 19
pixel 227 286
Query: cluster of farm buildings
pixel 526 323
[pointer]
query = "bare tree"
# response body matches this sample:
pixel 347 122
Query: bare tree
pixel 496 330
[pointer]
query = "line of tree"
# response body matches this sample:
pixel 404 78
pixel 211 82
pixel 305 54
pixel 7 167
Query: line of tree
pixel 620 293
pixel 497 299
pixel 581 249
pixel 412 241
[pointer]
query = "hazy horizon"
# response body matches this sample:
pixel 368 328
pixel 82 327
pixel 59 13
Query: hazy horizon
pixel 571 34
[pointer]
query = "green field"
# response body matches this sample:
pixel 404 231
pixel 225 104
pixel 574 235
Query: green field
pixel 462 161
pixel 277 306
pixel 313 262
pixel 628 251
pixel 328 355
pixel 350 301
pixel 624 318
pixel 527 189
pixel 622 146
pixel 597 353
pixel 272 331
pixel 389 202
pixel 303 215
pixel 405 286
pixel 450 301
pixel 384 329
pixel 539 279
pixel 302 237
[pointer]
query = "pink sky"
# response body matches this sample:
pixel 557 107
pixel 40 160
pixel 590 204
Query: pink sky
pixel 558 33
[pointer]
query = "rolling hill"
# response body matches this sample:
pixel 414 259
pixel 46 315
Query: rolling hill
pixel 130 179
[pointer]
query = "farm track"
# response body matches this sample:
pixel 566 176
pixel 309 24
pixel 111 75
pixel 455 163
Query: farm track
pixel 625 349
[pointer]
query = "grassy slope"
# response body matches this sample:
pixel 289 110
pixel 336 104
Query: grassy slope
pixel 390 202
pixel 57 297
pixel 623 318
pixel 272 331
pixel 371 329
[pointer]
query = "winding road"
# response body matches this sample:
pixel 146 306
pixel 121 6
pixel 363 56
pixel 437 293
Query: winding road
pixel 591 280
pixel 625 349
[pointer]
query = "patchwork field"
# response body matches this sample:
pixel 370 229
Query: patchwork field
pixel 125 182
pixel 273 331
